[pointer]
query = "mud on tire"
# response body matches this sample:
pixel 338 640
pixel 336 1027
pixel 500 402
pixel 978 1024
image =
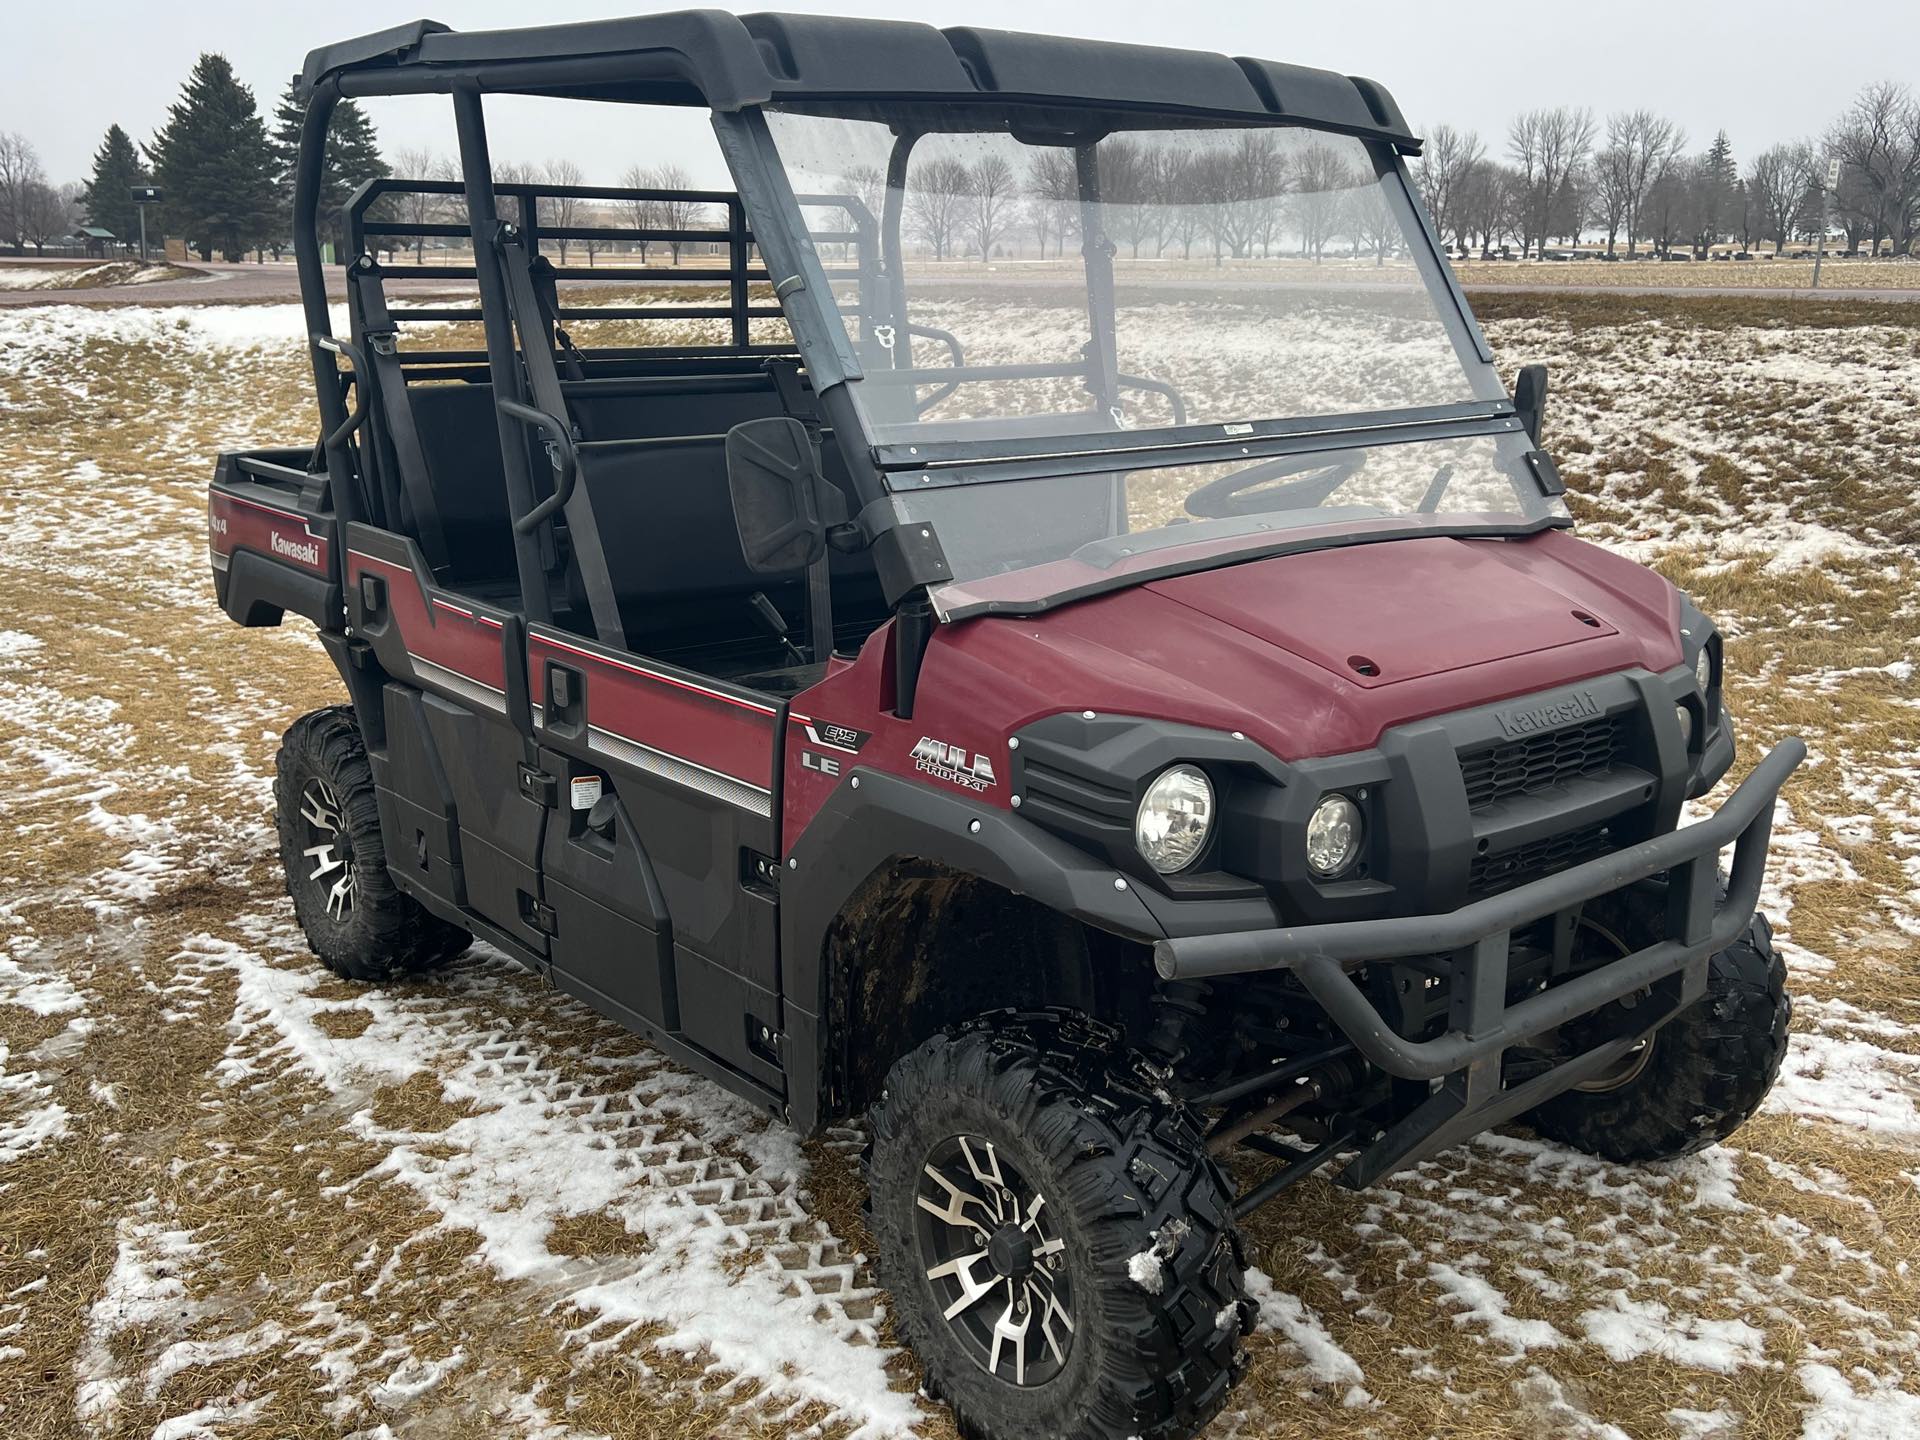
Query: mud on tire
pixel 1136 1221
pixel 1708 1070
pixel 357 922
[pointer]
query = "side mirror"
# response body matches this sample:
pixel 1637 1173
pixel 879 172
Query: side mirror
pixel 775 480
pixel 1530 399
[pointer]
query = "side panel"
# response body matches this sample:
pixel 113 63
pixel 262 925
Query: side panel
pixel 268 554
pixel 453 649
pixel 692 764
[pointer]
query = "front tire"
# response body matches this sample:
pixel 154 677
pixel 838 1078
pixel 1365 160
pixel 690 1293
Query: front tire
pixel 359 924
pixel 1060 1249
pixel 1702 1074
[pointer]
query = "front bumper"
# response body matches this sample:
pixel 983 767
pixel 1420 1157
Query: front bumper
pixel 1467 1058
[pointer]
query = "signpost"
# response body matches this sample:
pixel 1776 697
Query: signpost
pixel 143 196
pixel 1826 211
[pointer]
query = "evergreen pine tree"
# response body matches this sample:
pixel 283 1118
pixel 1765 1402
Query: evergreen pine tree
pixel 352 159
pixel 213 159
pixel 107 197
pixel 1719 182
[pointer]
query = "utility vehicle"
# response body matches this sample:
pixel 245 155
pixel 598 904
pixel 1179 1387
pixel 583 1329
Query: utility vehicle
pixel 982 639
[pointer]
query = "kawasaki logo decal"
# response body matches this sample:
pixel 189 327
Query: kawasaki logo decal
pixel 305 551
pixel 953 763
pixel 1580 705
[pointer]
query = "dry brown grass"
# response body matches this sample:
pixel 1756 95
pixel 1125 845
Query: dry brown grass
pixel 181 1118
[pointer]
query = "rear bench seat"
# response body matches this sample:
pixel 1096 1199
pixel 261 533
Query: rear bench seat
pixel 654 465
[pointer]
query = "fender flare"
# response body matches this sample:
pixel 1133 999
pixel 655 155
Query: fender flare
pixel 863 827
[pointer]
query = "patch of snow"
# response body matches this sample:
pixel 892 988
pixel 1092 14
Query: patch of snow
pixel 1480 1301
pixel 1879 1411
pixel 1849 1082
pixel 1633 1328
pixel 1326 1362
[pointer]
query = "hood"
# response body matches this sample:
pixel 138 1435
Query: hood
pixel 1381 614
pixel 1317 653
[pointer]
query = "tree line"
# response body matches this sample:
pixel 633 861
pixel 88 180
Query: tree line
pixel 1562 175
pixel 1633 180
pixel 227 179
pixel 1247 193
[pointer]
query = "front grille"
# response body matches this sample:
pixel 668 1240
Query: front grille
pixel 1491 874
pixel 1539 762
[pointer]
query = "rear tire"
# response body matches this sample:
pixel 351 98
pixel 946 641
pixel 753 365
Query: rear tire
pixel 356 921
pixel 1093 1223
pixel 1705 1071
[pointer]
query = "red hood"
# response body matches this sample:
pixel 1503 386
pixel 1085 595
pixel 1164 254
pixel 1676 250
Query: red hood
pixel 1262 647
pixel 1279 648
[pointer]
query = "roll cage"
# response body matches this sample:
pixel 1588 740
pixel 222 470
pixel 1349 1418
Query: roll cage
pixel 735 66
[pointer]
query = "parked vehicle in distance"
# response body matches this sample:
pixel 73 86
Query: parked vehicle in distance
pixel 1009 705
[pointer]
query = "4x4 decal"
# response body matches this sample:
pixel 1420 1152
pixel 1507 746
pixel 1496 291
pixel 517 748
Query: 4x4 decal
pixel 953 763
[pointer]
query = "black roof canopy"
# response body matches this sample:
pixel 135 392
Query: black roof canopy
pixel 728 62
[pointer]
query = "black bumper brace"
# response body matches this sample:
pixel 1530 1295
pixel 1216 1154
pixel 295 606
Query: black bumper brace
pixel 1482 1025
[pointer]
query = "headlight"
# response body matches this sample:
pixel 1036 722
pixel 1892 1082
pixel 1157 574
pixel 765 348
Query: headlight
pixel 1686 725
pixel 1175 816
pixel 1703 669
pixel 1334 835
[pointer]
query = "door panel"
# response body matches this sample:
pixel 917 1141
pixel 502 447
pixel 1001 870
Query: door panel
pixel 691 761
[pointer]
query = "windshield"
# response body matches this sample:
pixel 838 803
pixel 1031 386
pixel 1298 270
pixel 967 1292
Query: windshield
pixel 1028 543
pixel 1249 273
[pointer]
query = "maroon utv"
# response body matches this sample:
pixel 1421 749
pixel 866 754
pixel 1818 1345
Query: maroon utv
pixel 1041 627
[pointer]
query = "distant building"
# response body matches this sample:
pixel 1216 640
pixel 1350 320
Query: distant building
pixel 100 243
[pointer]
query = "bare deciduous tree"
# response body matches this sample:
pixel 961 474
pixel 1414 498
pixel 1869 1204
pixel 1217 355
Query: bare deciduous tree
pixel 1878 144
pixel 1548 147
pixel 562 212
pixel 678 211
pixel 1053 196
pixel 424 207
pixel 936 198
pixel 989 210
pixel 1447 163
pixel 1778 182
pixel 1318 182
pixel 20 171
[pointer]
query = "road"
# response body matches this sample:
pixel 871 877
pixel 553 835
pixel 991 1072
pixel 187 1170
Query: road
pixel 254 284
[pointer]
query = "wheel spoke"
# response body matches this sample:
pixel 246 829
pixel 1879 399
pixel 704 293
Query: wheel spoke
pixel 1006 1330
pixel 318 807
pixel 972 1288
pixel 324 860
pixel 340 897
pixel 990 1177
pixel 957 1201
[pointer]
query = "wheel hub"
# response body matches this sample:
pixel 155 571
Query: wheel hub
pixel 328 847
pixel 1011 1253
pixel 993 1261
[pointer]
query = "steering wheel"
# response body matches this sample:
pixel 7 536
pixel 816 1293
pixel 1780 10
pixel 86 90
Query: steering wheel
pixel 1249 491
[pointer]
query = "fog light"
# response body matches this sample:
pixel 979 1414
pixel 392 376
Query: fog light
pixel 1686 725
pixel 1175 815
pixel 1333 836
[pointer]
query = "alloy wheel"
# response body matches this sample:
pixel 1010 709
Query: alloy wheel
pixel 997 1268
pixel 328 847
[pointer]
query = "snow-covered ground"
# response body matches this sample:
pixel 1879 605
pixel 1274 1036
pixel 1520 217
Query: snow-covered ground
pixel 240 1197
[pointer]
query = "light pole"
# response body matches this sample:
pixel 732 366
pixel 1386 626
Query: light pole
pixel 143 196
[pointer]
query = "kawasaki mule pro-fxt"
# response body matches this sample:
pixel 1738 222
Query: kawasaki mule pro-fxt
pixel 1064 646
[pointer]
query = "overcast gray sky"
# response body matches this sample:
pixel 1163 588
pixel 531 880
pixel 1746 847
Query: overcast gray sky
pixel 1765 71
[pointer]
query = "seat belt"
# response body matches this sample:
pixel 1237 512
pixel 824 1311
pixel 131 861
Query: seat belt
pixel 546 289
pixel 589 550
pixel 390 382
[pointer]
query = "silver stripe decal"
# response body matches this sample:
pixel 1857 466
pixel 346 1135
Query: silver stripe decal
pixel 477 692
pixel 676 771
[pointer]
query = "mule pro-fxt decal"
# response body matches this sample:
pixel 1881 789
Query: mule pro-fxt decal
pixel 953 763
